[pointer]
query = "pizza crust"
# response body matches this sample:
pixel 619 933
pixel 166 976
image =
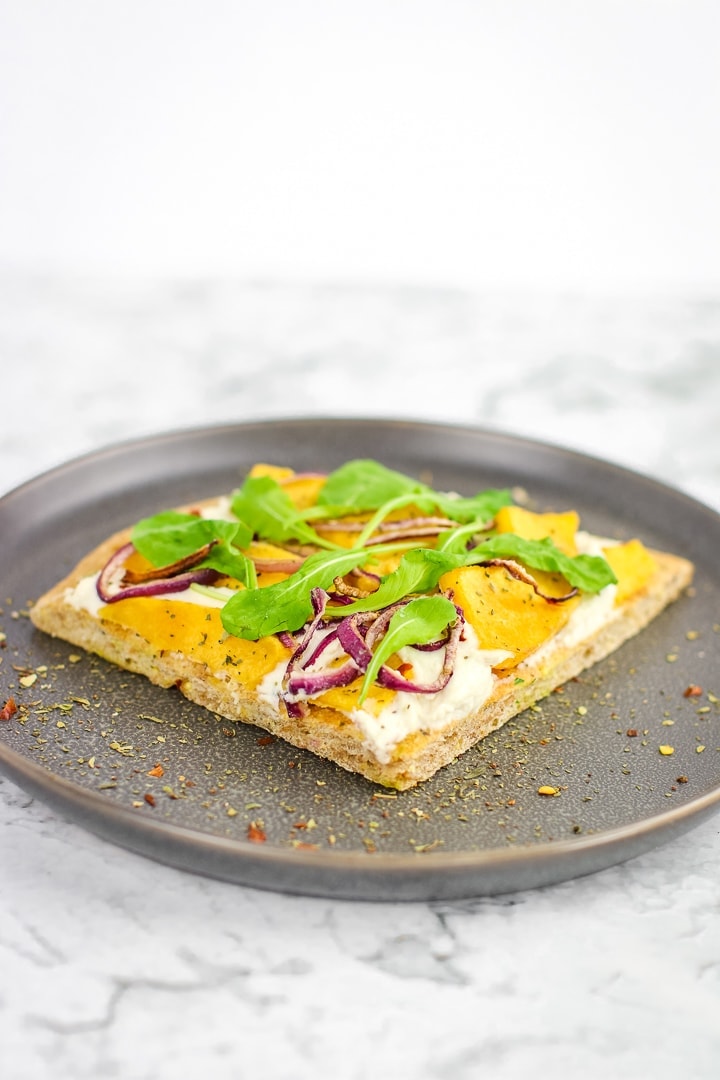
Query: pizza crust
pixel 330 733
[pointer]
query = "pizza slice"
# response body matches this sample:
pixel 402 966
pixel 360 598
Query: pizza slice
pixel 361 614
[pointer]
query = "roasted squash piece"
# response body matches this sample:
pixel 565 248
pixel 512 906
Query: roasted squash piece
pixel 304 491
pixel 277 472
pixel 561 528
pixel 196 631
pixel 633 566
pixel 505 613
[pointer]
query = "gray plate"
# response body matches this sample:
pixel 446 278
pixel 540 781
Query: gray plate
pixel 89 734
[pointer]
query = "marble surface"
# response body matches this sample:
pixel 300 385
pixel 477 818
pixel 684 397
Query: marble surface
pixel 113 966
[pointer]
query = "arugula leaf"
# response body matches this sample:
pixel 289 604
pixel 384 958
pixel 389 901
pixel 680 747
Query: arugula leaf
pixel 419 622
pixel 590 573
pixel 270 513
pixel 479 508
pixel 286 605
pixel 365 484
pixel 419 571
pixel 172 535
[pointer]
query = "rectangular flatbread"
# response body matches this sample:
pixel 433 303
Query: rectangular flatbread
pixel 361 615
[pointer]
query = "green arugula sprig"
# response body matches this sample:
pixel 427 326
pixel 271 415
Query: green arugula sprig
pixel 286 605
pixel 420 621
pixel 167 537
pixel 365 485
pixel 357 487
pixel 270 513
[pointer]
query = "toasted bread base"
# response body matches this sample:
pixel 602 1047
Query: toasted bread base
pixel 329 733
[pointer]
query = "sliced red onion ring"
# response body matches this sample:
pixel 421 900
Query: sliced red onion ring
pixel 302 684
pixel 155 573
pixel 520 573
pixel 436 524
pixel 298 681
pixel 356 634
pixel 394 680
pixel 279 566
pixel 302 476
pixel 391 535
pixel 351 637
pixel 110 588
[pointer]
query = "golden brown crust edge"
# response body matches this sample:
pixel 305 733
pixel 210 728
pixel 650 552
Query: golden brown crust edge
pixel 326 732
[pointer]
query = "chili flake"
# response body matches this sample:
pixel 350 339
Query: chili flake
pixel 255 833
pixel 692 691
pixel 9 709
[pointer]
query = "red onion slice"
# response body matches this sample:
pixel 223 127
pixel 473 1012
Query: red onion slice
pixel 520 573
pixel 110 588
pixel 298 681
pixel 394 680
pixel 351 637
pixel 356 634
pixel 279 566
pixel 304 684
pixel 302 476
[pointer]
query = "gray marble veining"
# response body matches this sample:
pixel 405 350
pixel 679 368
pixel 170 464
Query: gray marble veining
pixel 113 966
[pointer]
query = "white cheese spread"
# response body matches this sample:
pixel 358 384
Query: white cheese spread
pixel 467 690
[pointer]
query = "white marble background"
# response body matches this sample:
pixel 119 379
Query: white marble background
pixel 112 966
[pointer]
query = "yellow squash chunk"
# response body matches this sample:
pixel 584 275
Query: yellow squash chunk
pixel 304 491
pixel 505 613
pixel 277 472
pixel 561 528
pixel 633 566
pixel 345 698
pixel 196 631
